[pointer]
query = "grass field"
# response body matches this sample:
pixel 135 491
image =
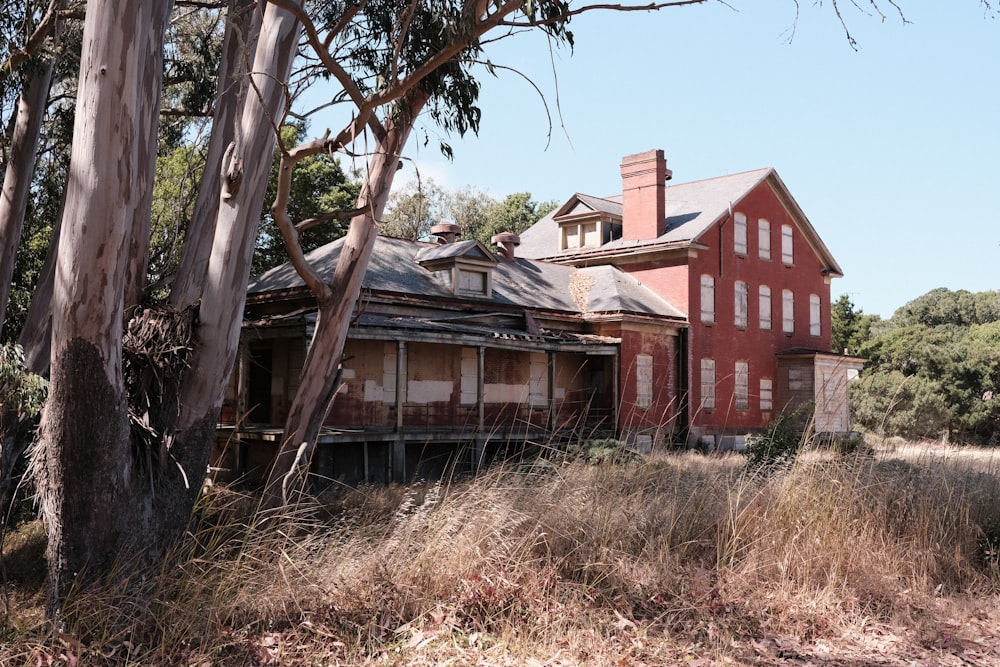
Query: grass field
pixel 887 558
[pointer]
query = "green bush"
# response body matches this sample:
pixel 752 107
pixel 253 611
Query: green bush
pixel 780 443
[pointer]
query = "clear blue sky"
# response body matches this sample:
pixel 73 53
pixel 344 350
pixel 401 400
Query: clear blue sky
pixel 892 151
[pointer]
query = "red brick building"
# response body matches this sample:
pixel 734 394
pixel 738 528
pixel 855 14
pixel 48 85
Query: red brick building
pixel 737 255
pixel 670 314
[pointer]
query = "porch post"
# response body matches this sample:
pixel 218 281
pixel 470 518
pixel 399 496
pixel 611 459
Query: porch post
pixel 552 391
pixel 399 443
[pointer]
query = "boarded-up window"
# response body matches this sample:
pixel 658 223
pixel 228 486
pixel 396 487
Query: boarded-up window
pixel 740 234
pixel 740 304
pixel 571 236
pixel 815 326
pixel 589 233
pixel 786 245
pixel 764 239
pixel 470 376
pixel 389 372
pixel 708 384
pixel 766 395
pixel 797 379
pixel 471 282
pixel 643 381
pixel 742 397
pixel 538 381
pixel 707 299
pixel 787 311
pixel 764 306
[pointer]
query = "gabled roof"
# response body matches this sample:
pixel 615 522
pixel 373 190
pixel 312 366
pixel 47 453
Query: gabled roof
pixel 468 249
pixel 524 283
pixel 580 203
pixel 691 210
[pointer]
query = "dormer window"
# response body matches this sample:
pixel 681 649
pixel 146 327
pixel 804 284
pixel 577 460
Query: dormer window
pixel 465 267
pixel 473 282
pixel 582 234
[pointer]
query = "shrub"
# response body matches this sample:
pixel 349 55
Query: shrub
pixel 780 443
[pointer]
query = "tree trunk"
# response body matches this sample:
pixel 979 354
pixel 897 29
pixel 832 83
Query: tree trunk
pixel 36 336
pixel 224 294
pixel 319 376
pixel 147 143
pixel 84 465
pixel 103 505
pixel 17 176
pixel 242 30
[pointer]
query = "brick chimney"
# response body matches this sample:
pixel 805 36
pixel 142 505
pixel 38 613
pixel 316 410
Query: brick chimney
pixel 644 177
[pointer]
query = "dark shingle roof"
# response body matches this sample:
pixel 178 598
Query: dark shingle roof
pixel 523 282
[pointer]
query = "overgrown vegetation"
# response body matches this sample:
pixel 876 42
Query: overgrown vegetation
pixel 888 558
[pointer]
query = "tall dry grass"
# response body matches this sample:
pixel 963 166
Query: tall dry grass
pixel 641 563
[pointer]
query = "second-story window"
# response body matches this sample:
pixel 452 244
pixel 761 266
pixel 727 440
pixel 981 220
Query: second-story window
pixel 786 245
pixel 740 234
pixel 707 299
pixel 740 301
pixel 764 239
pixel 764 306
pixel 787 311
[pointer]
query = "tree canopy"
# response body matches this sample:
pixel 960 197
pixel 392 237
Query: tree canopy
pixel 933 368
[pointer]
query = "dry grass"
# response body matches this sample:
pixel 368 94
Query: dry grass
pixel 879 560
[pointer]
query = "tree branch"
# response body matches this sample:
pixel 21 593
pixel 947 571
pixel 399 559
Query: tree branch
pixel 35 41
pixel 279 210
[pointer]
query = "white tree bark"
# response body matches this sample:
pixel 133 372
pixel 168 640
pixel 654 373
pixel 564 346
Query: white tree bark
pixel 242 30
pixel 17 176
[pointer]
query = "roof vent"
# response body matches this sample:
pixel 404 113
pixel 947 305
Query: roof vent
pixel 506 242
pixel 447 232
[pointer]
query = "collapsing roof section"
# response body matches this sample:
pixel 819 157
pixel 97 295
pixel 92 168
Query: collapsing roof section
pixel 403 269
pixel 691 210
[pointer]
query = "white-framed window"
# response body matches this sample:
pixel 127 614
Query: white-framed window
pixel 742 397
pixel 740 304
pixel 707 298
pixel 643 381
pixel 787 311
pixel 764 306
pixel 764 239
pixel 740 233
pixel 708 384
pixel 786 245
pixel 766 395
pixel 815 322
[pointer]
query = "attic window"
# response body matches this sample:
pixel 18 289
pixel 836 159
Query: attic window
pixel 582 234
pixel 471 282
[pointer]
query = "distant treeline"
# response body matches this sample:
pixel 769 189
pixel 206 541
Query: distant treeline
pixel 933 368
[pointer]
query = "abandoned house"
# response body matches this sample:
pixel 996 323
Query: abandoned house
pixel 685 314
